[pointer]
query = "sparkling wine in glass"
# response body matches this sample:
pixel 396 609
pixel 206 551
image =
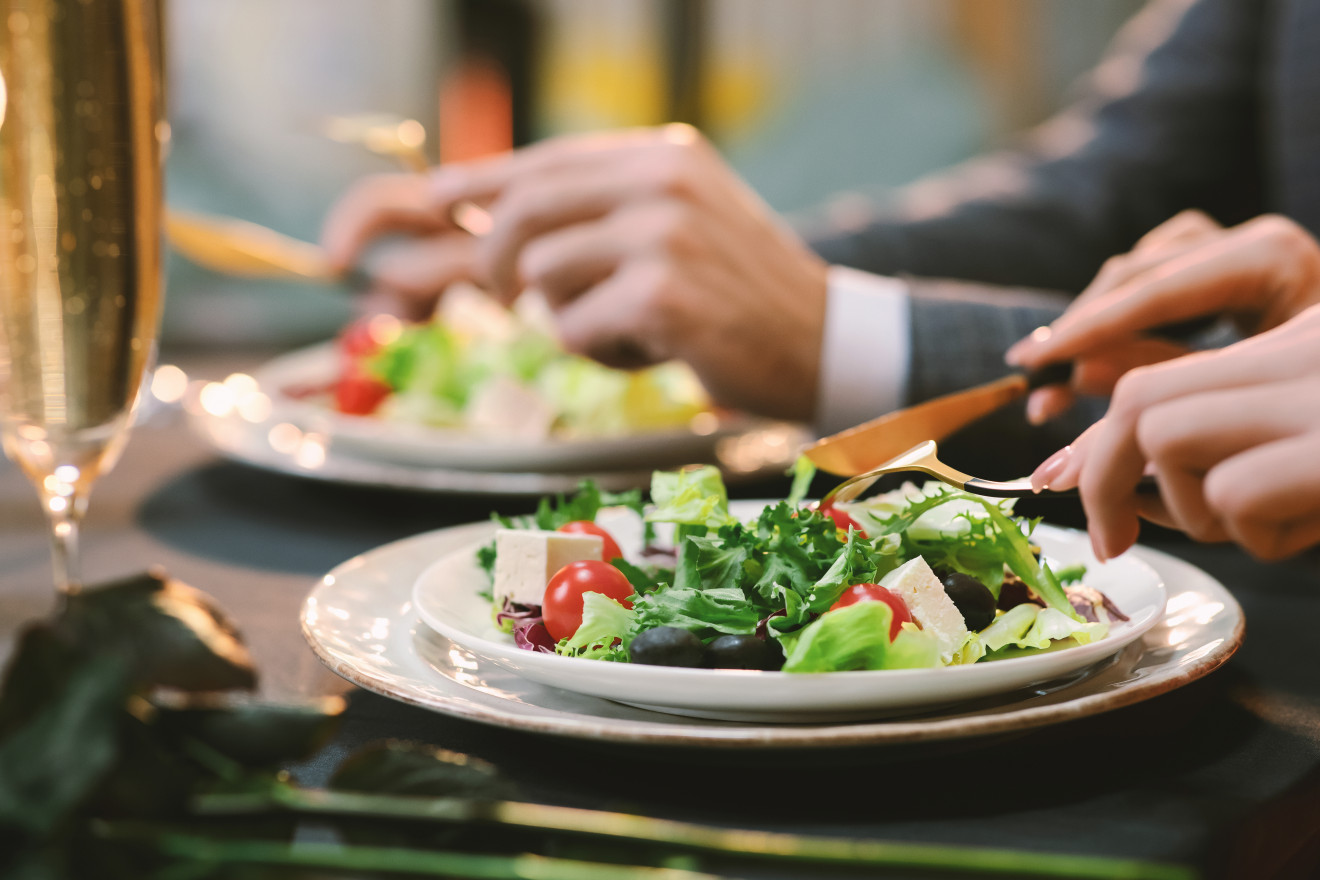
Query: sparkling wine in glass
pixel 80 242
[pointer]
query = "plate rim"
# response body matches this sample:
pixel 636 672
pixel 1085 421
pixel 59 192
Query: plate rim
pixel 674 731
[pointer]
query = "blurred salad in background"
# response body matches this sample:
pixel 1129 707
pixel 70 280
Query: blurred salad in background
pixel 488 370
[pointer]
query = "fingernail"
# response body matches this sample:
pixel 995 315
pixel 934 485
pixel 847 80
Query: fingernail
pixel 1036 411
pixel 1050 468
pixel 1017 352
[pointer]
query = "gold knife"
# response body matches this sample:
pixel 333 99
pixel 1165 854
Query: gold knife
pixel 872 444
pixel 249 250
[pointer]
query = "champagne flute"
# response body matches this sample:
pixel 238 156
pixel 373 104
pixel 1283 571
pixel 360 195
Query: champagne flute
pixel 80 242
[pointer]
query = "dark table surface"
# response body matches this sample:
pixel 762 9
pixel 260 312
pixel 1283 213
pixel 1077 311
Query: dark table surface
pixel 1223 774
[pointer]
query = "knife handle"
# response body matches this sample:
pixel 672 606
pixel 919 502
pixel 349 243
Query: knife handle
pixel 1058 373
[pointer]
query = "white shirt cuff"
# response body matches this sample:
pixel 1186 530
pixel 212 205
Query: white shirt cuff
pixel 865 350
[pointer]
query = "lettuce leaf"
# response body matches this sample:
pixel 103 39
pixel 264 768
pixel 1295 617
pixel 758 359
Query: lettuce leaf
pixel 704 612
pixel 606 631
pixel 1029 626
pixel 857 637
pixel 691 497
pixel 802 472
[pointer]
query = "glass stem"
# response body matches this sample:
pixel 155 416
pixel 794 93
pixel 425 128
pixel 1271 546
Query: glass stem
pixel 65 559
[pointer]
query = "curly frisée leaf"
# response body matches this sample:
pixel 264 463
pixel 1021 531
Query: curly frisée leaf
pixel 976 544
pixel 582 505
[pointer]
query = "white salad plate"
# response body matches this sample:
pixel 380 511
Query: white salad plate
pixel 256 423
pixel 447 598
pixel 420 445
pixel 362 621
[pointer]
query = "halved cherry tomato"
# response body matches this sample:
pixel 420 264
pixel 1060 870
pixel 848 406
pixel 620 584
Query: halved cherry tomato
pixel 876 593
pixel 562 606
pixel 609 548
pixel 359 395
pixel 356 340
pixel 841 520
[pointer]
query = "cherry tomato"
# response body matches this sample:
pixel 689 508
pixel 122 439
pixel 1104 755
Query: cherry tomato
pixel 356 341
pixel 359 395
pixel 562 606
pixel 876 593
pixel 609 548
pixel 841 520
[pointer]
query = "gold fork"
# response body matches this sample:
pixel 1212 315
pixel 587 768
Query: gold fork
pixel 924 458
pixel 405 141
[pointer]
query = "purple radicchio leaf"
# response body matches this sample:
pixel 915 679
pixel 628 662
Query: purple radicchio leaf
pixel 517 613
pixel 529 632
pixel 1088 602
pixel 1014 592
pixel 533 637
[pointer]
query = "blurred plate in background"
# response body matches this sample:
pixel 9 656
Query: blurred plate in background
pixel 249 419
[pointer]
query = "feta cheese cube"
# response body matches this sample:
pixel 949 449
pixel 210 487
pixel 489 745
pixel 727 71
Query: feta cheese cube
pixel 930 606
pixel 526 559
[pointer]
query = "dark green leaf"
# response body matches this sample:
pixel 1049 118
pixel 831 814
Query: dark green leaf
pixel 152 777
pixel 255 734
pixel 22 859
pixel 644 578
pixel 407 768
pixel 173 635
pixel 582 505
pixel 52 759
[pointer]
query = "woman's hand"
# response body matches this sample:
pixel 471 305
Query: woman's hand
pixel 1231 436
pixel 1261 273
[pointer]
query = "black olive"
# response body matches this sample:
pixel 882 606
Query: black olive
pixel 745 652
pixel 973 598
pixel 667 646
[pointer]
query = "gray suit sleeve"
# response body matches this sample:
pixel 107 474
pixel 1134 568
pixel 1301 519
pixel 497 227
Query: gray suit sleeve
pixel 959 333
pixel 1168 121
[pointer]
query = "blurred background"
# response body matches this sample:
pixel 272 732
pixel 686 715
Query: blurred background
pixel 808 99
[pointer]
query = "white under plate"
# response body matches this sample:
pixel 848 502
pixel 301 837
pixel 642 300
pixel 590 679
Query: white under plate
pixel 361 621
pixel 446 597
pixel 419 445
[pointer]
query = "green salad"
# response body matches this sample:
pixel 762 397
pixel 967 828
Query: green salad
pixel 504 377
pixel 918 577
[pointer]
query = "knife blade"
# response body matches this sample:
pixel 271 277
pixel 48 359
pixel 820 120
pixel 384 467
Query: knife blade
pixel 238 247
pixel 871 444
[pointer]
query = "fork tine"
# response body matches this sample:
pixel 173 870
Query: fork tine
pixel 924 458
